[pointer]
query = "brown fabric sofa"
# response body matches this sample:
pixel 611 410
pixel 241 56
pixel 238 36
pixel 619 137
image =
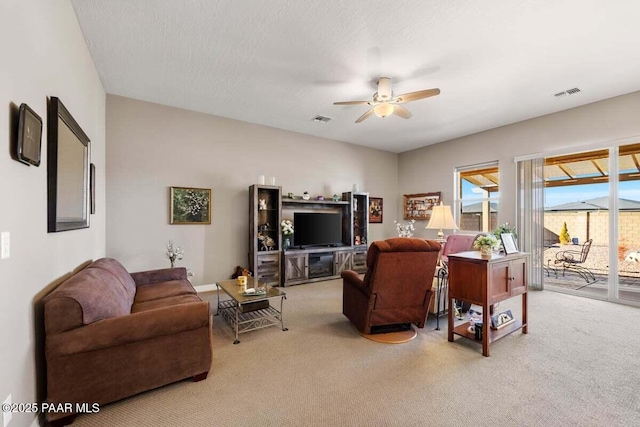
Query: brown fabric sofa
pixel 396 287
pixel 111 334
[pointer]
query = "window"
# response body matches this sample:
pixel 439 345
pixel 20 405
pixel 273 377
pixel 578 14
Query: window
pixel 477 194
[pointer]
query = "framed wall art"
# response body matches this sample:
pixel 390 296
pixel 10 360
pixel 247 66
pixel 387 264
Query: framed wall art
pixel 419 206
pixel 375 210
pixel 92 188
pixel 29 136
pixel 190 205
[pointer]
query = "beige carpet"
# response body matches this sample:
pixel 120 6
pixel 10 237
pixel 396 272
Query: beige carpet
pixel 578 366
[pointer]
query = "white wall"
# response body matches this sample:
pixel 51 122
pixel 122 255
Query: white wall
pixel 43 54
pixel 432 168
pixel 153 147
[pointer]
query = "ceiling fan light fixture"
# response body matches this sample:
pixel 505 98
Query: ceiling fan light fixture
pixel 383 110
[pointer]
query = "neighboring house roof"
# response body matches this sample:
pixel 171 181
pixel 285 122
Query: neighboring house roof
pixel 599 203
pixel 477 208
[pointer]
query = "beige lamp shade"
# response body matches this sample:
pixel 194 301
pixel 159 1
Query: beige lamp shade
pixel 441 217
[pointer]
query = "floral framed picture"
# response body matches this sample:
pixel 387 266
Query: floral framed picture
pixel 419 206
pixel 190 205
pixel 375 210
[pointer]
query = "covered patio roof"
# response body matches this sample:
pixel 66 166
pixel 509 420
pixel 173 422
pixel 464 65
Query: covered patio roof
pixel 574 169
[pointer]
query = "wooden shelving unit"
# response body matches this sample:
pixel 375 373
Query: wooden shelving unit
pixel 485 282
pixel 264 226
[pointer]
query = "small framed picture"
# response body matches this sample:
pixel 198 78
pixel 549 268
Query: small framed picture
pixel 509 243
pixel 29 136
pixel 501 320
pixel 190 205
pixel 375 210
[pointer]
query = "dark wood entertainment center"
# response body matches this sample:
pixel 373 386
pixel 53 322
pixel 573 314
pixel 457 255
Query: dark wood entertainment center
pixel 278 267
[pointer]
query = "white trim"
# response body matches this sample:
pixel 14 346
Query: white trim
pixel 206 288
pixel 580 148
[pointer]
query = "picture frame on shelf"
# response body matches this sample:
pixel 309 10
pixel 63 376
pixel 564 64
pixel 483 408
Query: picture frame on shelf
pixel 420 206
pixel 500 320
pixel 509 243
pixel 190 205
pixel 375 210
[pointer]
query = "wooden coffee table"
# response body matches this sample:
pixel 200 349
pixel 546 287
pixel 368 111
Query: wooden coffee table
pixel 246 313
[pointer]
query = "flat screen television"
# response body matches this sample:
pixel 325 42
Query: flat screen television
pixel 317 229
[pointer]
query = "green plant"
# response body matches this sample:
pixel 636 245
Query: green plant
pixel 505 228
pixel 564 236
pixel 485 240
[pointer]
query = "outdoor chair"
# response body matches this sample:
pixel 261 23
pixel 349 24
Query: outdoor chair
pixel 574 260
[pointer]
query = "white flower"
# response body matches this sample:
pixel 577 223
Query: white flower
pixel 174 252
pixel 287 227
pixel 405 229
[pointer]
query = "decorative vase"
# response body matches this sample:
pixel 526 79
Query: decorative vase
pixel 486 251
pixel 286 244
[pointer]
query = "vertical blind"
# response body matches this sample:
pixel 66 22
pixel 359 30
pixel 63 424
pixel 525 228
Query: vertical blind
pixel 530 216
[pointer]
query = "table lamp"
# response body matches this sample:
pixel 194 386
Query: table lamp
pixel 441 217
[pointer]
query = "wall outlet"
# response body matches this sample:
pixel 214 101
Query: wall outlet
pixel 6 416
pixel 5 242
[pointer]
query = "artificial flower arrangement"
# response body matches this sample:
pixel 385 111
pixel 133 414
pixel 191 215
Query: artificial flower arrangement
pixel 405 229
pixel 287 227
pixel 485 243
pixel 174 253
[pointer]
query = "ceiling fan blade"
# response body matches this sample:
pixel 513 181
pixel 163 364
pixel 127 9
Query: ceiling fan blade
pixel 399 110
pixel 414 96
pixel 353 103
pixel 365 116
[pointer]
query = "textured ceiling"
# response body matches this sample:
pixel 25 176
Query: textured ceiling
pixel 280 63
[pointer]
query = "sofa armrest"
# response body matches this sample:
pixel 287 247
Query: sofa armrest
pixel 157 276
pixel 129 328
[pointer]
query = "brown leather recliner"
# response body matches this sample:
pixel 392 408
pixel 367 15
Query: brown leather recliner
pixel 396 287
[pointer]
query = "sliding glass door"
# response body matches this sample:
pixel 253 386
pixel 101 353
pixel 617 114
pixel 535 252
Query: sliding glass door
pixel 627 251
pixel 591 235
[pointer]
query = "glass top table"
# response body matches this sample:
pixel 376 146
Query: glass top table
pixel 245 312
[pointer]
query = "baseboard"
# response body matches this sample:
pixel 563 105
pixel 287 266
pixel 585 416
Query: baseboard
pixel 206 288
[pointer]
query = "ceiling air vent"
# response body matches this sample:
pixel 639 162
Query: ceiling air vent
pixel 321 119
pixel 567 92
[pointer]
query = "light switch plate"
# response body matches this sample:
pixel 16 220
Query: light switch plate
pixel 5 242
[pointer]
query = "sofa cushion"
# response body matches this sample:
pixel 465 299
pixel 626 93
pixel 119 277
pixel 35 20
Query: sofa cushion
pixel 160 290
pixel 98 292
pixel 164 302
pixel 123 276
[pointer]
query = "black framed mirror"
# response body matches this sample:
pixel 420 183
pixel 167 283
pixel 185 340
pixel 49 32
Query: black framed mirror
pixel 67 170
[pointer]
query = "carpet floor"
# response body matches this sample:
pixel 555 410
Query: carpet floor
pixel 579 365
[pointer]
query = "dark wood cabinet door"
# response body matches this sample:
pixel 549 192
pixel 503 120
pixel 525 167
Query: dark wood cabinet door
pixel 500 283
pixel 518 274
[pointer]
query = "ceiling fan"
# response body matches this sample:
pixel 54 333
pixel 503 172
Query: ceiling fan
pixel 385 104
